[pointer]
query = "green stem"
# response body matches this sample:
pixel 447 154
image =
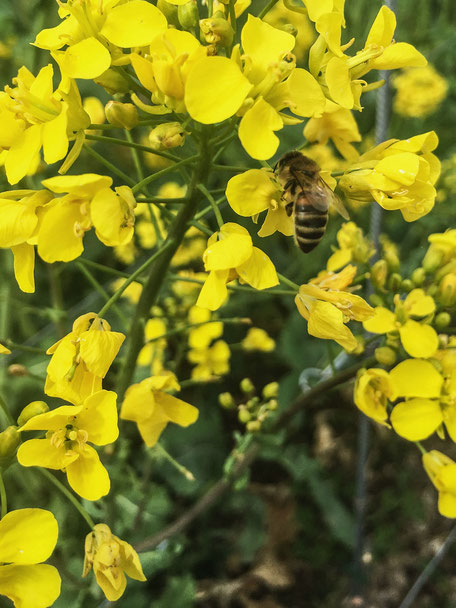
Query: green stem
pixel 4 502
pixel 158 271
pixel 127 144
pixel 113 299
pixel 232 13
pixel 209 208
pixel 267 8
pixel 288 282
pixel 57 299
pixel 210 9
pixel 102 160
pixel 167 456
pixel 420 447
pixel 151 178
pixel 6 411
pixel 68 495
pixel 215 209
pixel 233 168
pixel 23 347
pixel 103 268
pixel 103 293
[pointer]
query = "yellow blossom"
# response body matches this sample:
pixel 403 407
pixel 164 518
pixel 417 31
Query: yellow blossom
pixel 442 472
pixel 27 538
pixel 419 91
pixel 336 124
pixel 111 558
pixel 65 447
pixel 326 306
pixel 230 254
pixel 201 336
pixel 418 339
pixel 152 408
pixel 210 360
pixel 353 246
pixel 373 389
pixel 281 18
pixel 153 352
pixel 132 293
pixel 258 339
pixel 82 358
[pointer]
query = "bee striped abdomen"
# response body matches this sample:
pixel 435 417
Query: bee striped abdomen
pixel 310 226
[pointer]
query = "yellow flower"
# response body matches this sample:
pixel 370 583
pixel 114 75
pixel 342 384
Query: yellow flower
pixel 258 339
pixel 191 248
pixel 419 91
pixel 373 389
pixel 27 538
pixel 441 250
pixel 132 293
pixel 418 339
pixel 153 352
pixel 4 350
pixel 256 85
pixel 152 408
pixel 442 472
pixel 230 254
pixel 95 33
pixel 202 336
pixel 398 175
pixel 337 124
pixel 210 360
pixel 353 246
pixel 65 447
pixel 281 18
pixel 89 202
pixel 255 191
pixel 82 358
pixel 34 116
pixel 326 306
pixel 110 558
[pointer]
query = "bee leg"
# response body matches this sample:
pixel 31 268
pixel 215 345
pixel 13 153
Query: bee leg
pixel 289 209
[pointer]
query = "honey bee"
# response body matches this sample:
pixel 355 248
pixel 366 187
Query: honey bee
pixel 307 197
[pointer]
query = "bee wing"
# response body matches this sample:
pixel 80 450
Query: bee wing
pixel 338 205
pixel 331 197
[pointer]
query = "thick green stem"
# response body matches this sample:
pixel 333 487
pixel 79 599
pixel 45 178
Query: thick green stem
pixel 154 176
pixel 267 8
pixel 158 271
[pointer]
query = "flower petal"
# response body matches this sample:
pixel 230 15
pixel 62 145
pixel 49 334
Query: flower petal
pixel 42 453
pixel 85 59
pixel 339 82
pixel 419 340
pixel 34 586
pixel 99 417
pixel 135 23
pixel 398 55
pixel 258 271
pixel 416 419
pixel 22 154
pixel 251 192
pixel 27 536
pixel 384 320
pixel 87 476
pixel 24 266
pixel 404 378
pixel 256 130
pixel 214 292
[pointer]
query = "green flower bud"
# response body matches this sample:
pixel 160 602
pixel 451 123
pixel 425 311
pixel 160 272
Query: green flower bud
pixel 289 28
pixel 253 403
pixel 418 276
pixel 407 285
pixel 123 115
pixel 432 260
pixel 393 339
pixel 271 390
pixel 379 273
pixel 376 300
pixel 443 341
pixel 273 404
pixel 188 15
pixel 113 82
pixel 167 135
pixel 247 386
pixel 226 400
pixel 10 438
pixel 170 12
pixel 395 281
pixel 442 320
pixel 217 31
pixel 32 409
pixel 254 426
pixel 446 293
pixel 243 414
pixel 385 355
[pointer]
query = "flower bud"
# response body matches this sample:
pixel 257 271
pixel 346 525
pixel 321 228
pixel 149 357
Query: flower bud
pixel 442 320
pixel 123 115
pixel 10 438
pixel 418 276
pixel 167 135
pixel 188 15
pixel 433 259
pixel 271 390
pixel 407 285
pixel 385 355
pixel 393 340
pixel 243 414
pixel 226 400
pixel 273 404
pixel 247 386
pixel 443 341
pixel 394 283
pixel 217 30
pixel 253 426
pixel 289 28
pixel 170 12
pixel 376 300
pixel 446 293
pixel 253 403
pixel 113 82
pixel 379 273
pixel 16 369
pixel 32 409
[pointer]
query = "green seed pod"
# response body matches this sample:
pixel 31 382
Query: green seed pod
pixel 123 115
pixel 385 355
pixel 442 320
pixel 188 15
pixel 10 438
pixel 418 276
pixel 32 409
